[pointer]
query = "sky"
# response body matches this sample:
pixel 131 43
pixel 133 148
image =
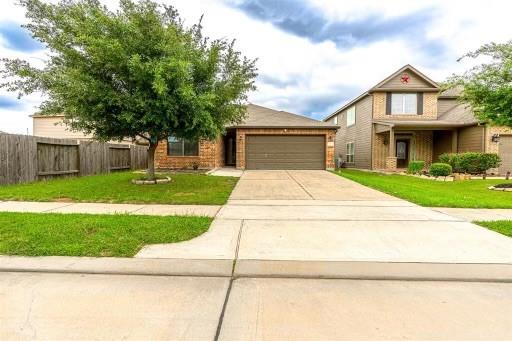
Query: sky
pixel 313 55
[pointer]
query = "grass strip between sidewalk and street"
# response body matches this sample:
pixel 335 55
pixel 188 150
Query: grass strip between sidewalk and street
pixel 501 226
pixel 430 193
pixel 199 189
pixel 94 235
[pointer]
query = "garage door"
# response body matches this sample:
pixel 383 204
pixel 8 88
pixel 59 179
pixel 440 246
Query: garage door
pixel 284 152
pixel 505 154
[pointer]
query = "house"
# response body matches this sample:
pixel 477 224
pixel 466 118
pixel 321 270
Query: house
pixel 53 126
pixel 266 139
pixel 406 117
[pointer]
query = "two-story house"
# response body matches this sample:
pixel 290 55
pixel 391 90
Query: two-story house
pixel 406 117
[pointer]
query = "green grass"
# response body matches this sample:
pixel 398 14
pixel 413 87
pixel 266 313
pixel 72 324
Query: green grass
pixel 500 226
pixel 470 193
pixel 117 188
pixel 52 234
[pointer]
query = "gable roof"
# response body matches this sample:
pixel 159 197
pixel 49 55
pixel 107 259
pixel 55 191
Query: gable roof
pixel 434 87
pixel 261 117
pixel 404 68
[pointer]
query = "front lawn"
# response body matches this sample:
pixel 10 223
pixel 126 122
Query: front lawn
pixel 117 188
pixel 94 235
pixel 470 193
pixel 500 226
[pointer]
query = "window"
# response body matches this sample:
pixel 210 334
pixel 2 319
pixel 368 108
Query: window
pixel 182 147
pixel 403 104
pixel 351 116
pixel 335 120
pixel 350 152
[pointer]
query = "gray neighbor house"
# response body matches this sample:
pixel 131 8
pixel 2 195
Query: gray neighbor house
pixel 406 117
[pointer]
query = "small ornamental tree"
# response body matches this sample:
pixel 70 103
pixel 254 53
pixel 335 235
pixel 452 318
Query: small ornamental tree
pixel 136 72
pixel 487 88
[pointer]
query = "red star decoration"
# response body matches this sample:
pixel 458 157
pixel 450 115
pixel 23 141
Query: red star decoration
pixel 404 79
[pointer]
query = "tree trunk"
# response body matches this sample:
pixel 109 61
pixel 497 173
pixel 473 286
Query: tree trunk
pixel 151 160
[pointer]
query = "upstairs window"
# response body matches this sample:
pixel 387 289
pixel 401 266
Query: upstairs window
pixel 351 116
pixel 404 104
pixel 182 147
pixel 335 119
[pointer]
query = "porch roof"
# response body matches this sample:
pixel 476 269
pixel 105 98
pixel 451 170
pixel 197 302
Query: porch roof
pixel 426 124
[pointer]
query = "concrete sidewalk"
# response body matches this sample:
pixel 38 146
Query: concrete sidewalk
pixel 104 208
pixel 477 214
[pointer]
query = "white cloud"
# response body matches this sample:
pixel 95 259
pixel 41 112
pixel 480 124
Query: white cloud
pixel 301 76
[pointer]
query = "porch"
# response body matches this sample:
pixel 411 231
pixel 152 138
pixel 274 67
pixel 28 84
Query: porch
pixel 395 146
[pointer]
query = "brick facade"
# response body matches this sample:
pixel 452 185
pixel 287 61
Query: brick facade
pixel 429 107
pixel 328 133
pixel 211 155
pixel 421 147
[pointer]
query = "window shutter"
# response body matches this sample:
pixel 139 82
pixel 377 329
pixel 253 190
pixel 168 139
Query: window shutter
pixel 388 103
pixel 419 102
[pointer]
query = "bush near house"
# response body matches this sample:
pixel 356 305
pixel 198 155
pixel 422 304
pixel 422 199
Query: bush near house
pixel 471 163
pixel 415 167
pixel 440 169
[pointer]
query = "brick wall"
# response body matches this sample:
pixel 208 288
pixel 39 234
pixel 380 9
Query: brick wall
pixel 380 150
pixel 329 148
pixel 429 107
pixel 211 155
pixel 420 144
pixel 494 147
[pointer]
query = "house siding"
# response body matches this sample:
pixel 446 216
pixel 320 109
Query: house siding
pixel 422 146
pixel 48 126
pixel 442 143
pixel 471 139
pixel 415 81
pixel 360 133
pixel 443 105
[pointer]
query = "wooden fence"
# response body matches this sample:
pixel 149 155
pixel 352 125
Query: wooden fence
pixel 30 158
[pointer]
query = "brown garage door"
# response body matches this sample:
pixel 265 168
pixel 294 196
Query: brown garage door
pixel 505 149
pixel 284 152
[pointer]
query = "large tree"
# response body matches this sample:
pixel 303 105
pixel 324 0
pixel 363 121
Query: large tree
pixel 487 87
pixel 134 72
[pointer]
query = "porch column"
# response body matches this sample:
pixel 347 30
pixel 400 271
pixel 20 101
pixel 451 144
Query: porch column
pixel 391 159
pixel 455 140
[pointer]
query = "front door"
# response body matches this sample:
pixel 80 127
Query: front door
pixel 402 153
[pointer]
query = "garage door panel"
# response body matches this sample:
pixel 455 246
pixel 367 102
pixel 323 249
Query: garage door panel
pixel 285 152
pixel 505 152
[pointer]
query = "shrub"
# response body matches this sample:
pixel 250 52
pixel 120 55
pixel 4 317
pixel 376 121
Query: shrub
pixel 415 167
pixel 488 161
pixel 472 163
pixel 453 159
pixel 440 169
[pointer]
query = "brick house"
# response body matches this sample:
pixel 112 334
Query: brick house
pixel 406 117
pixel 266 139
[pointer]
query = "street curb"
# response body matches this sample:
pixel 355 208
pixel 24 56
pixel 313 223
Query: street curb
pixel 119 266
pixel 483 272
pixel 364 270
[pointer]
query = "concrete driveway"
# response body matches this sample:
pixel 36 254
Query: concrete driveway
pixel 317 218
pixel 315 223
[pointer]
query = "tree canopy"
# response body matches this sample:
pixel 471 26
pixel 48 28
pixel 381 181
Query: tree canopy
pixel 136 71
pixel 487 87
